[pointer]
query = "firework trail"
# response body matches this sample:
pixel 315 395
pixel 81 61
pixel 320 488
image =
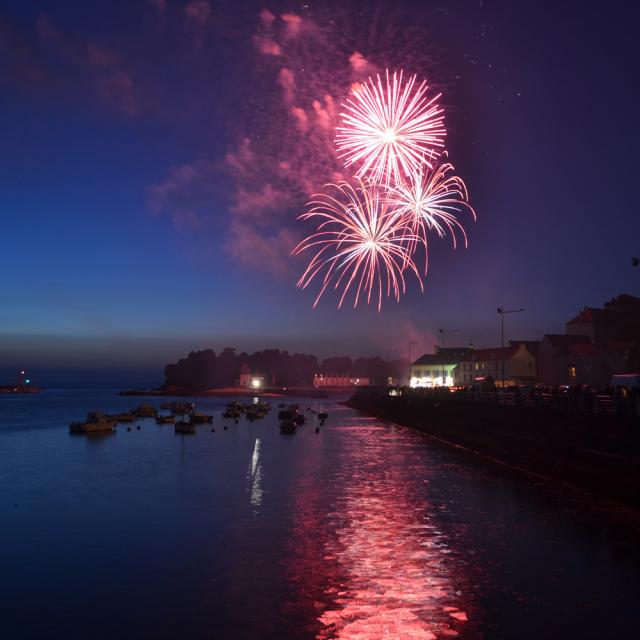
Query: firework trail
pixel 431 200
pixel 362 244
pixel 390 129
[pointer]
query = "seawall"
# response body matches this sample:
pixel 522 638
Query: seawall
pixel 592 452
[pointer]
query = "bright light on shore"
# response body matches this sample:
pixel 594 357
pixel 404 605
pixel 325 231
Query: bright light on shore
pixel 427 383
pixel 256 383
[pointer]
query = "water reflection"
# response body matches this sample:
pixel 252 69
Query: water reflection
pixel 398 579
pixel 254 476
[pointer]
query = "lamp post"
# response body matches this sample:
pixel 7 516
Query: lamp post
pixel 443 333
pixel 502 312
pixel 410 345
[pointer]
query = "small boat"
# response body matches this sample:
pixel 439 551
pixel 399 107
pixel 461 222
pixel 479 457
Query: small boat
pixel 286 414
pixel 170 419
pixel 200 418
pixel 323 415
pixel 179 407
pixel 255 413
pixel 185 427
pixel 122 417
pixel 229 413
pixel 145 410
pixel 94 423
pixel 288 426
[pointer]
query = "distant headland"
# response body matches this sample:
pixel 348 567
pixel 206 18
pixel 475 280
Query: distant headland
pixel 270 372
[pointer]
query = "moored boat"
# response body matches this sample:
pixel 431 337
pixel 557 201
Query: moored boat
pixel 185 427
pixel 170 419
pixel 122 417
pixel 288 427
pixel 95 422
pixel 180 408
pixel 200 418
pixel 145 410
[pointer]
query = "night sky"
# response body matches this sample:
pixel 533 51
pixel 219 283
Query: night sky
pixel 145 211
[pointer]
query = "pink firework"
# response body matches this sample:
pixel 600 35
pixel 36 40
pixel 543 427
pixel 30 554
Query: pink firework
pixel 390 128
pixel 361 244
pixel 431 201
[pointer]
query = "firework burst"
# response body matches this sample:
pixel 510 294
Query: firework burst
pixel 432 201
pixel 390 129
pixel 362 245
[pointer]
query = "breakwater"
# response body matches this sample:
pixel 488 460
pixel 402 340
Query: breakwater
pixel 598 453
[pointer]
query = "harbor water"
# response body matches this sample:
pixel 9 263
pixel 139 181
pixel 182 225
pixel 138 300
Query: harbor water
pixel 364 530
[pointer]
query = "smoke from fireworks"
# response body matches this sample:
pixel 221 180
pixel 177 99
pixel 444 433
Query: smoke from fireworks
pixel 361 244
pixel 390 129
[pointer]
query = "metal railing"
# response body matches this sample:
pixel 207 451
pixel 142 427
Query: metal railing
pixel 570 401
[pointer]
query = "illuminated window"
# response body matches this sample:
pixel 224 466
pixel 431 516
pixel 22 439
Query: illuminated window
pixel 572 371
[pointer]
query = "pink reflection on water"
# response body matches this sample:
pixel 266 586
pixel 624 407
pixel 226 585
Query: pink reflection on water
pixel 396 575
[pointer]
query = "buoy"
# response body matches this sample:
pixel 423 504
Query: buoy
pixel 138 427
pixel 128 428
pixel 225 427
pixel 213 430
pixel 317 429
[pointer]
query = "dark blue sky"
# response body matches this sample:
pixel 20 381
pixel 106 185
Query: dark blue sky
pixel 129 237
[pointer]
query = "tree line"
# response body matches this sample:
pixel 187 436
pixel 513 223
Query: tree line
pixel 207 369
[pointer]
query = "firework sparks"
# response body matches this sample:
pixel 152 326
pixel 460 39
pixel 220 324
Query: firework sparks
pixel 432 200
pixel 390 129
pixel 362 244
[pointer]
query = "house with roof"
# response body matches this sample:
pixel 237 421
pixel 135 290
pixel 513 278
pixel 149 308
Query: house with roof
pixel 572 359
pixel 436 369
pixel 597 324
pixel 518 358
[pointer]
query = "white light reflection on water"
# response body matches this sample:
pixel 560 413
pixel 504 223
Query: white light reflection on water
pixel 254 476
pixel 396 574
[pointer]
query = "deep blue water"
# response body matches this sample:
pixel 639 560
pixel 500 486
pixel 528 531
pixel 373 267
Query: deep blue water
pixel 365 530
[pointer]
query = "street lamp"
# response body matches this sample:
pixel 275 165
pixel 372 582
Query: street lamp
pixel 410 345
pixel 443 333
pixel 502 312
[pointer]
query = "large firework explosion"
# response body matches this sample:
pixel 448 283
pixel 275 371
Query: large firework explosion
pixel 432 200
pixel 390 129
pixel 392 134
pixel 361 244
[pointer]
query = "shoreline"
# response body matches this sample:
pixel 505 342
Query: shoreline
pixel 269 392
pixel 593 454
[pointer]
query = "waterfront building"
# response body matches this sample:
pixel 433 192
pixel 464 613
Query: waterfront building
pixel 339 380
pixel 618 320
pixel 519 359
pixel 572 359
pixel 249 380
pixel 436 369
